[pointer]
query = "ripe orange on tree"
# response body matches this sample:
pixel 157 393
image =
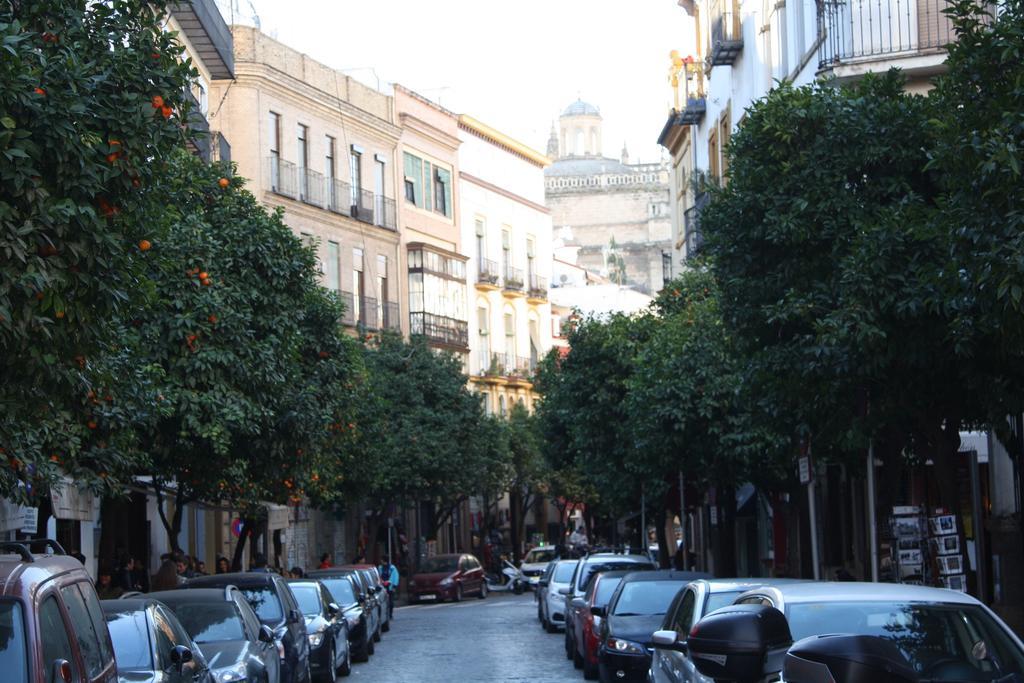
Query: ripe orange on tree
pixel 145 245
pixel 223 182
pixel 157 101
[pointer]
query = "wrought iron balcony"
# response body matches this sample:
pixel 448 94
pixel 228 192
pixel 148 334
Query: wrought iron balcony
pixel 691 221
pixel 514 279
pixel 367 313
pixel 221 150
pixel 726 32
pixel 283 178
pixel 311 187
pixel 439 329
pixel 197 128
pixel 391 317
pixel 337 196
pixel 208 33
pixel 384 213
pixel 487 272
pixel 867 30
pixel 538 287
pixel 694 111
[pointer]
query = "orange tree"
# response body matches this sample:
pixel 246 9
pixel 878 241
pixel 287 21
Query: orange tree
pixel 253 378
pixel 89 109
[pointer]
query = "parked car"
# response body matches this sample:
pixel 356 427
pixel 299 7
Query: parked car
pixel 671 663
pixel 633 613
pixel 380 593
pixel 151 645
pixel 587 619
pixel 535 562
pixel 360 611
pixel 550 602
pixel 329 652
pixel 447 577
pixel 224 626
pixel 51 619
pixel 586 568
pixel 269 596
pixel 944 635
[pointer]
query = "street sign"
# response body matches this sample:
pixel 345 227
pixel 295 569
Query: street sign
pixel 804 464
pixel 29 520
pixel 236 527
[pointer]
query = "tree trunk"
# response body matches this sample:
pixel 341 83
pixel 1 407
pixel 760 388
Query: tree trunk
pixel 173 525
pixel 660 518
pixel 727 533
pixel 236 560
pixel 514 504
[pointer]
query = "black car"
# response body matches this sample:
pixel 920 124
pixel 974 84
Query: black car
pixel 269 596
pixel 368 598
pixel 220 621
pixel 634 612
pixel 347 592
pixel 151 645
pixel 329 652
pixel 586 568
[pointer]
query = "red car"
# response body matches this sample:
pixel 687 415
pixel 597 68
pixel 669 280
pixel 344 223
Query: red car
pixel 447 577
pixel 599 592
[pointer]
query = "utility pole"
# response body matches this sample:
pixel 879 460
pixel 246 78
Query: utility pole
pixel 872 512
pixel 643 520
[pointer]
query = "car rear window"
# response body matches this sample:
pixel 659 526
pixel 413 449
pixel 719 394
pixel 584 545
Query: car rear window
pixel 13 656
pixel 605 587
pixel 436 565
pixel 646 597
pixel 264 602
pixel 588 569
pixel 718 600
pixel 563 572
pixel 308 597
pixel 132 647
pixel 210 623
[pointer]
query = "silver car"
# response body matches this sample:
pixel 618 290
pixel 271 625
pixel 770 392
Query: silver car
pixel 550 601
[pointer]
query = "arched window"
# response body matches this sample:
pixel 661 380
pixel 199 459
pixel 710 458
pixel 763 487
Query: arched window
pixel 501 405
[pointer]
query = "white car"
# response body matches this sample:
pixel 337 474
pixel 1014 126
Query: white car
pixel 550 601
pixel 535 562
pixel 944 635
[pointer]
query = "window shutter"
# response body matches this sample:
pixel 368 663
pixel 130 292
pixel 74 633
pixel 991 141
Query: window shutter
pixel 414 174
pixel 445 176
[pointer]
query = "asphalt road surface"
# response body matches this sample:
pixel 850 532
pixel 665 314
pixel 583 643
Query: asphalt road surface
pixel 498 639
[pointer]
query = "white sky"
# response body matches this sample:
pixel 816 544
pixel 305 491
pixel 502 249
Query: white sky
pixel 513 65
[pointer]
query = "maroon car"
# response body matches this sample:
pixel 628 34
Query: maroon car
pixel 448 577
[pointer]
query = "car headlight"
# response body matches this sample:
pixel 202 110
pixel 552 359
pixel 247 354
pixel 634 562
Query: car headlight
pixel 625 646
pixel 230 674
pixel 447 582
pixel 316 638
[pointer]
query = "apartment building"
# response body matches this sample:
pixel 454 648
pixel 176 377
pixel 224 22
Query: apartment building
pixel 507 231
pixel 322 147
pixel 429 215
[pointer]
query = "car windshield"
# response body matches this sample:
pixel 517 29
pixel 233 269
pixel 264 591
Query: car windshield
pixel 646 598
pixel 436 565
pixel 308 596
pixel 540 555
pixel 264 602
pixel 605 587
pixel 587 570
pixel 132 649
pixel 13 658
pixel 210 623
pixel 723 599
pixel 341 590
pixel 563 572
pixel 942 642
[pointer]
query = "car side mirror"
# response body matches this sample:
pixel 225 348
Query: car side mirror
pixel 668 640
pixel 266 634
pixel 61 671
pixel 599 611
pixel 294 616
pixel 578 603
pixel 740 643
pixel 822 658
pixel 180 656
pixel 333 608
pixel 564 591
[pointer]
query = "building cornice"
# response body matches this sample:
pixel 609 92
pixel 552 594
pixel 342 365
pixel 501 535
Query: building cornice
pixel 505 142
pixel 480 182
pixel 413 123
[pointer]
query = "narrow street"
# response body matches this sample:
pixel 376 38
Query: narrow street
pixel 497 639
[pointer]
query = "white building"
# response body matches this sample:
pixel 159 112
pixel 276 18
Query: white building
pixel 506 231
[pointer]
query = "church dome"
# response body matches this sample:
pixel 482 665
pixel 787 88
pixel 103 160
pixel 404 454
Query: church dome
pixel 581 108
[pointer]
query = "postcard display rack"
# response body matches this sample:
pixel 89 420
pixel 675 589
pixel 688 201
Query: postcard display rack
pixel 944 545
pixel 909 545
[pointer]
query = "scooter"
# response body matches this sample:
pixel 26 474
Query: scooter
pixel 513 580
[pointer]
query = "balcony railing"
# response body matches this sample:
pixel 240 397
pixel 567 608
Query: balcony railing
pixel 283 179
pixel 694 111
pixel 514 279
pixel 197 128
pixel 538 287
pixel 691 221
pixel 337 196
pixel 487 272
pixel 440 329
pixel 862 30
pixel 390 316
pixel 370 314
pixel 726 32
pixel 384 212
pixel 311 187
pixel 220 148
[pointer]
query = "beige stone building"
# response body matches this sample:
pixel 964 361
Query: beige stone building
pixel 323 147
pixel 618 211
pixel 429 218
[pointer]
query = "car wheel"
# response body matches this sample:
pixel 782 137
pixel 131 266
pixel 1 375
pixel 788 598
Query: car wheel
pixel 307 676
pixel 551 627
pixel 386 626
pixel 589 670
pixel 483 590
pixel 376 634
pixel 569 647
pixel 362 652
pixel 331 674
pixel 346 665
pixel 540 613
pixel 370 647
pixel 458 593
pixel 577 660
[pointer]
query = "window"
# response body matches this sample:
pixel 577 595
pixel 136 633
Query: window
pixel 13 654
pixel 332 269
pixel 501 406
pixel 379 176
pixel 534 341
pixel 483 320
pixel 85 631
pixel 481 251
pixel 510 333
pixel 684 615
pixel 506 250
pixel 330 171
pixel 442 191
pixel 130 634
pixel 275 151
pixel 382 289
pixel 666 267
pixel 302 160
pixel 410 191
pixel 713 167
pixel 53 635
pixel 357 284
pixel 427 185
pixel 530 260
pixel 724 133
pixel 355 169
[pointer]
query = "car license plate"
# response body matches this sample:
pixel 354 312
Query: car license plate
pixel 428 597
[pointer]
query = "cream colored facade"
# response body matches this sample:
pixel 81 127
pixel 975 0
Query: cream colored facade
pixel 323 147
pixel 506 230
